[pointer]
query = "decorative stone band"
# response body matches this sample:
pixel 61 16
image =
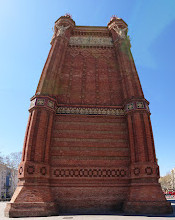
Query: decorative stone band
pixel 136 105
pixel 144 170
pixel 31 169
pixel 42 101
pixel 51 104
pixel 90 111
pixel 89 172
pixel 91 41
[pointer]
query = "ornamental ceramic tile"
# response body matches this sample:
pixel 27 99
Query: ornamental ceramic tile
pixel 40 101
pixel 130 106
pixel 32 103
pixel 140 104
pixel 50 104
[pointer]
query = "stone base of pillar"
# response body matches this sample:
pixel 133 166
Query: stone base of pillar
pixel 30 209
pixel 148 207
pixel 29 201
pixel 147 199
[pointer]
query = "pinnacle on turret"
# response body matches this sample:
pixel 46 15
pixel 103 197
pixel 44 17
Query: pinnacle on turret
pixel 68 15
pixel 114 17
pixel 118 21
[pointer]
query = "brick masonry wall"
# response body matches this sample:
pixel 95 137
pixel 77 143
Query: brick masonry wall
pixel 90 76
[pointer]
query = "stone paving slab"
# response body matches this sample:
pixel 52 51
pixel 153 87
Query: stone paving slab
pixel 92 217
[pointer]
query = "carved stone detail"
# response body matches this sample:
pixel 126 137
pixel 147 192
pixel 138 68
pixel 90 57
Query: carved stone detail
pixel 50 104
pixel 130 106
pixel 122 33
pixel 137 105
pixel 59 30
pixel 91 41
pixel 140 104
pixel 89 111
pixel 42 102
pixel 32 103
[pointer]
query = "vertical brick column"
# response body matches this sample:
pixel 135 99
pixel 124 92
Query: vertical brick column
pixel 130 79
pixel 137 111
pixel 37 139
pixel 34 169
pixel 141 138
pixel 149 137
pixel 144 187
pixel 49 82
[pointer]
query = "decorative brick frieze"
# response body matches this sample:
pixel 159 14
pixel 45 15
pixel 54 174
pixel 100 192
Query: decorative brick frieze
pixel 89 172
pixel 90 111
pixel 136 105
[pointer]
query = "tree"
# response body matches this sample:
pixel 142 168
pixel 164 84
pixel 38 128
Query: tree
pixel 1 158
pixel 166 181
pixel 13 160
pixel 10 165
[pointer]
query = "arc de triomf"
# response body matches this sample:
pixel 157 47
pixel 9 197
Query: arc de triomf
pixel 88 146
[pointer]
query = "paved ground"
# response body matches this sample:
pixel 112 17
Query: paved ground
pixel 93 217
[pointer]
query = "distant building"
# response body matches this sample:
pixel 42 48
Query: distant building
pixel 8 181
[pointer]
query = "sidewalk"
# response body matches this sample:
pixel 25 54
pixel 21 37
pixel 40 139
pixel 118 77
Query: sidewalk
pixel 92 217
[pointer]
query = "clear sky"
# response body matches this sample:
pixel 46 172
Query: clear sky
pixel 25 34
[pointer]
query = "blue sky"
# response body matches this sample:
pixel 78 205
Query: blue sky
pixel 25 34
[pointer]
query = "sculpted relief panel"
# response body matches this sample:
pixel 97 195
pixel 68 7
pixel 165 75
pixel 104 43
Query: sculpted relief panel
pixel 91 41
